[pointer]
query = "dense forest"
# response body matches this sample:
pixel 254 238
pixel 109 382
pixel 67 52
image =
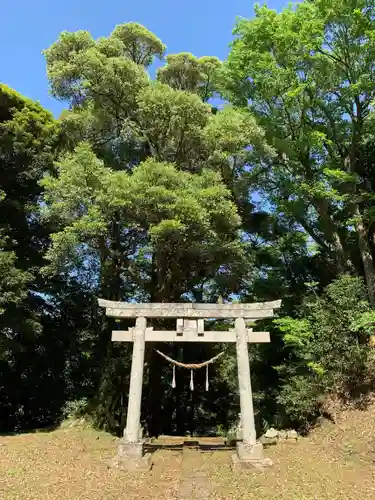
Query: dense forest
pixel 249 179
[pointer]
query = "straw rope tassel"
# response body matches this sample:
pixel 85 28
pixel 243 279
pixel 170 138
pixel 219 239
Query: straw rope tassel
pixel 191 367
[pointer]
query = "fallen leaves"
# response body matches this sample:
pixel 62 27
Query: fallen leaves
pixel 335 462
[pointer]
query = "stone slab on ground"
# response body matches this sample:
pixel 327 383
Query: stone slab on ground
pixel 131 457
pixel 143 464
pixel 250 457
pixel 204 442
pixel 238 464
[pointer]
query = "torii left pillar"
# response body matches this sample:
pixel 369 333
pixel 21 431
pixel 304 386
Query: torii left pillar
pixel 130 454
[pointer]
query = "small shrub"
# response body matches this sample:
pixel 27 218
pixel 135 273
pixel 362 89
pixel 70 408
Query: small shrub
pixel 75 409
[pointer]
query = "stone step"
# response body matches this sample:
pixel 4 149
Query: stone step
pixel 189 441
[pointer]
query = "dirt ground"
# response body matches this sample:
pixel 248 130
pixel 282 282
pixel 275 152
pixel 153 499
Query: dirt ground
pixel 336 462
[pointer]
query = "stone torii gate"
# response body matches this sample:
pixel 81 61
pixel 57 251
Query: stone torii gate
pixel 189 328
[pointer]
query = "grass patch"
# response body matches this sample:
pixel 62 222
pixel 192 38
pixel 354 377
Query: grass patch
pixel 335 463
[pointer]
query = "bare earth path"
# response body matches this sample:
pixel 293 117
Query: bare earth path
pixel 336 463
pixel 194 482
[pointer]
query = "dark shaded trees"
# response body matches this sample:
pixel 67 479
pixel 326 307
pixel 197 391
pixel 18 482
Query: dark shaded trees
pixel 29 141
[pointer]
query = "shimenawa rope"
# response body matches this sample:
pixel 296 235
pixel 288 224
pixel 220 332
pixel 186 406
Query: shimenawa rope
pixel 189 366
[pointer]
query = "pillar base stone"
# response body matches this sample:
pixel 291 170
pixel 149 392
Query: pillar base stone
pixel 250 457
pixel 131 457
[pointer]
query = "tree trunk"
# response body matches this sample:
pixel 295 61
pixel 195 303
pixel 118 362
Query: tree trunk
pixel 366 255
pixel 362 233
pixel 331 234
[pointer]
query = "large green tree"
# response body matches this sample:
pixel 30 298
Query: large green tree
pixel 307 74
pixel 127 118
pixel 146 204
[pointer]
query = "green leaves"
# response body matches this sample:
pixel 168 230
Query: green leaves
pixel 29 141
pixel 78 185
pixel 63 64
pixel 296 332
pixel 75 200
pixel 327 352
pixel 189 217
pixel 159 196
pixel 233 134
pixel 365 322
pixel 186 72
pixel 156 142
pixel 13 281
pixel 200 204
pixel 306 73
pixel 138 43
pixel 80 69
pixel 172 122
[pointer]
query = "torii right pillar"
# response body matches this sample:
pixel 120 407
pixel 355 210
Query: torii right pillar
pixel 249 452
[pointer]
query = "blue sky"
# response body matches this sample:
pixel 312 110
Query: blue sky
pixel 203 27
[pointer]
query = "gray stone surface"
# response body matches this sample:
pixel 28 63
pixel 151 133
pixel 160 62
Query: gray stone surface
pixel 292 435
pixel 131 433
pixel 239 433
pixel 189 336
pixel 267 441
pixel 238 464
pixel 189 313
pixel 283 435
pixel 189 310
pixel 200 326
pixel 250 457
pixel 131 456
pixel 179 326
pixel 244 384
pixel 128 450
pixel 270 437
pixel 250 451
pixel 143 464
pixel 271 433
pixel 187 306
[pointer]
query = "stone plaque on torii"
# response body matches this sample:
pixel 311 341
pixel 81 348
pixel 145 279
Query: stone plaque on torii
pixel 189 328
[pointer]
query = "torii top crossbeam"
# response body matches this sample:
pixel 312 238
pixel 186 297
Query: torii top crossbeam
pixel 256 310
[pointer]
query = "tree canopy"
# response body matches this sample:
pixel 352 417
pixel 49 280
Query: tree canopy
pixel 306 73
